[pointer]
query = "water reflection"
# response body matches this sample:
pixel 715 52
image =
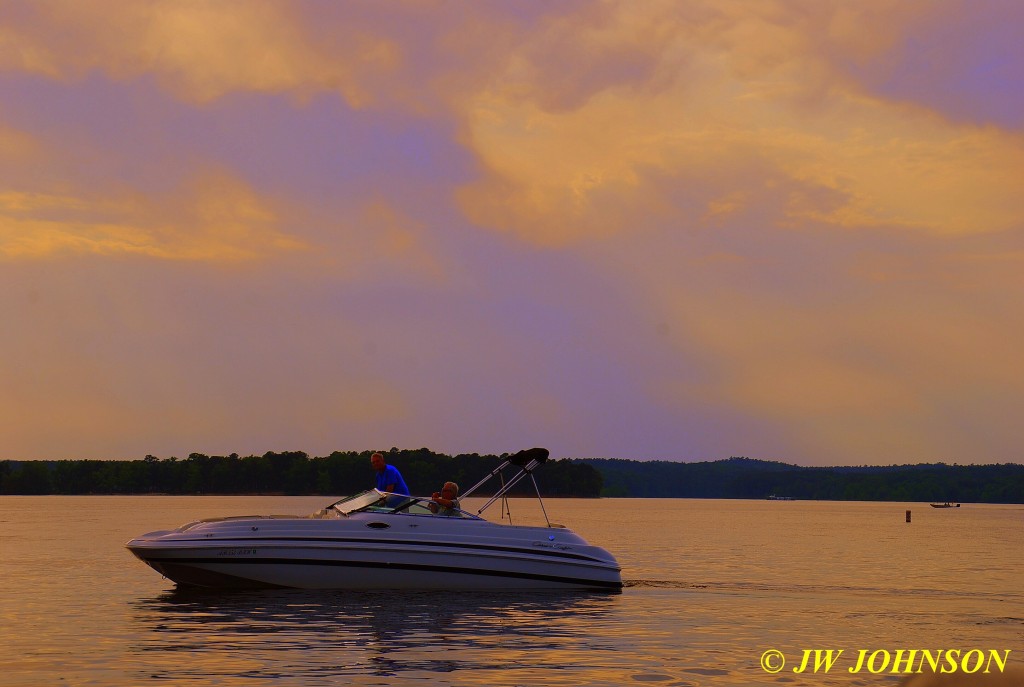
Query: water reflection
pixel 711 586
pixel 313 635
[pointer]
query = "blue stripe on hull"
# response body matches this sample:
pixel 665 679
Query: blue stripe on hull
pixel 185 571
pixel 533 551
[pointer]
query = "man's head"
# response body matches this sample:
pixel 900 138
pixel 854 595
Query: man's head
pixel 450 490
pixel 377 461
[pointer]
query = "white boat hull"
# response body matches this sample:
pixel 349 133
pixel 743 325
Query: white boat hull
pixel 371 551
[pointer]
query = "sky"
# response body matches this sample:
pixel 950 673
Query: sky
pixel 784 229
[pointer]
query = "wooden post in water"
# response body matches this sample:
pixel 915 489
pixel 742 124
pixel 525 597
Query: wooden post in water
pixel 908 516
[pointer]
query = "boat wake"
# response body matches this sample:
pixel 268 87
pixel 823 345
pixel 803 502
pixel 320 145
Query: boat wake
pixel 662 584
pixel 760 588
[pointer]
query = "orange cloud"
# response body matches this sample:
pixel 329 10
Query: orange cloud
pixel 200 50
pixel 214 218
pixel 737 87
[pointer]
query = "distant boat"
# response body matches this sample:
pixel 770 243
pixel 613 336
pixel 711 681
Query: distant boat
pixel 773 497
pixel 947 504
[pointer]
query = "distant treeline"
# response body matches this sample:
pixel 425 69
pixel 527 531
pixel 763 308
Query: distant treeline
pixel 291 472
pixel 745 478
pixel 342 473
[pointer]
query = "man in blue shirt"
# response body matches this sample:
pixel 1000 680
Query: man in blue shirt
pixel 388 477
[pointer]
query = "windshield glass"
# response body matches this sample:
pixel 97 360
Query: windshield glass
pixel 424 506
pixel 420 505
pixel 358 502
pixel 374 501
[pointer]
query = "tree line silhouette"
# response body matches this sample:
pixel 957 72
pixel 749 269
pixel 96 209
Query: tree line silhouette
pixel 746 478
pixel 348 472
pixel 290 472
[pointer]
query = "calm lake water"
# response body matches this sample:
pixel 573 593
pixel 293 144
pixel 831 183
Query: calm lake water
pixel 710 586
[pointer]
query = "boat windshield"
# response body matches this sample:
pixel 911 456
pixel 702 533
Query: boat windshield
pixel 362 501
pixel 374 501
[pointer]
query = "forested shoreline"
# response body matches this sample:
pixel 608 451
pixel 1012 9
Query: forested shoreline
pixel 347 472
pixel 745 478
pixel 289 472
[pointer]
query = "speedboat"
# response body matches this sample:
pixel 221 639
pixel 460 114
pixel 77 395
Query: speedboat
pixel 379 540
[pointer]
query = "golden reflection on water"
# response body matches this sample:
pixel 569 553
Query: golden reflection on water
pixel 309 635
pixel 710 585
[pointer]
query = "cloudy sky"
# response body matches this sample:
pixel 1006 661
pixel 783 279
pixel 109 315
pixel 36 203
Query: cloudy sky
pixel 790 230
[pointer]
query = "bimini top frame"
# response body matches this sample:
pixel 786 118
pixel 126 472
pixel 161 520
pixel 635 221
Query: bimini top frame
pixel 527 460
